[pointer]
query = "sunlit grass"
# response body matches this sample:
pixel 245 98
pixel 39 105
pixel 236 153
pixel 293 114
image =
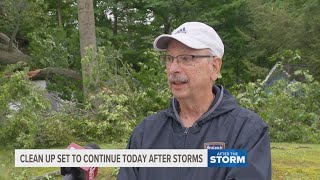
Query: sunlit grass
pixel 295 161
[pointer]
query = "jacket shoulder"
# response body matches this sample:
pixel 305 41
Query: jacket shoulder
pixel 249 117
pixel 149 124
pixel 249 129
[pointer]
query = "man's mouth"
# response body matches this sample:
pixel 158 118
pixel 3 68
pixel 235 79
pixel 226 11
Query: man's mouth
pixel 178 83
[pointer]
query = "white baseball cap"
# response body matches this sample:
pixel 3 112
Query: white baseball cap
pixel 195 35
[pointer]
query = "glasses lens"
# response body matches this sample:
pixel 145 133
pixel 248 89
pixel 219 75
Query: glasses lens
pixel 185 59
pixel 165 59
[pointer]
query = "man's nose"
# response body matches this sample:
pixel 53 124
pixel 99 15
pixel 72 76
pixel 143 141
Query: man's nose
pixel 174 66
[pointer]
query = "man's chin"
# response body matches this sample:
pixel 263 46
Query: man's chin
pixel 179 94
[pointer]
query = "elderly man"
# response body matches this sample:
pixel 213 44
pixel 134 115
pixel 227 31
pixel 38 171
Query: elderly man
pixel 201 115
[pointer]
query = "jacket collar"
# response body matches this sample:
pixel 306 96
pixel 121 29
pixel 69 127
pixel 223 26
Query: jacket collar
pixel 222 103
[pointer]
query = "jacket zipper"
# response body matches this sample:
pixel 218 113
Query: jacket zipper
pixel 185 133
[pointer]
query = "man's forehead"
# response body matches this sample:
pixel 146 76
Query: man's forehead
pixel 175 45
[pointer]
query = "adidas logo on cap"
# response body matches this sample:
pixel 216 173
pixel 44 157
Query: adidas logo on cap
pixel 182 30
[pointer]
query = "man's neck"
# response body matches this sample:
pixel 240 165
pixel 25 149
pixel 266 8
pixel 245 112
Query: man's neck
pixel 192 109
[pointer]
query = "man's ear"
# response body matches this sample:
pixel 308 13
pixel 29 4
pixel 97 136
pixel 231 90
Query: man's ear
pixel 216 64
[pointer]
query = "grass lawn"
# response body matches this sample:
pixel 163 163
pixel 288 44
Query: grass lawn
pixel 289 161
pixel 295 161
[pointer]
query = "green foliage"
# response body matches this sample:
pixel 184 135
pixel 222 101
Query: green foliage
pixel 114 121
pixel 251 95
pixel 128 81
pixel 54 131
pixel 290 108
pixel 28 124
pixel 125 96
pixel 54 47
pixel 280 25
pixel 113 118
pixel 153 88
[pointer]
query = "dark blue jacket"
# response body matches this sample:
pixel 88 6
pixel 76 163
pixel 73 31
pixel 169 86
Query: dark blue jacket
pixel 225 121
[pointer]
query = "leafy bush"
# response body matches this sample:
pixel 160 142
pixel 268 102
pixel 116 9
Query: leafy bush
pixel 22 124
pixel 153 86
pixel 54 47
pixel 123 97
pixel 57 47
pixel 290 108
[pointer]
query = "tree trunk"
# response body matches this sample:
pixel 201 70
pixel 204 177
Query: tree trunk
pixel 87 41
pixel 14 55
pixel 13 36
pixel 115 22
pixel 19 6
pixel 59 13
pixel 167 26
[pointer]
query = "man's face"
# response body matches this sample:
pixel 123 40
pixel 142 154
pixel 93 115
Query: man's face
pixel 195 80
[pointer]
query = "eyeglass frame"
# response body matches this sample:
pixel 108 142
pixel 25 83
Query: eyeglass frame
pixel 164 56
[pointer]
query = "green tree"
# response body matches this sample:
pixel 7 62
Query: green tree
pixel 280 25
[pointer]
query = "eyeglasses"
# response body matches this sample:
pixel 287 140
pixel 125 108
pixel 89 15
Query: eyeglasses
pixel 187 60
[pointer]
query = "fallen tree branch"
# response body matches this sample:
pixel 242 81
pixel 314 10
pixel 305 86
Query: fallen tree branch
pixel 43 73
pixel 12 57
pixel 15 56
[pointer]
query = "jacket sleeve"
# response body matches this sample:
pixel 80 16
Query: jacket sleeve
pixel 131 173
pixel 259 159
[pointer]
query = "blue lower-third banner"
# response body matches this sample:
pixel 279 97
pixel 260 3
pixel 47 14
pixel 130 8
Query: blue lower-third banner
pixel 227 158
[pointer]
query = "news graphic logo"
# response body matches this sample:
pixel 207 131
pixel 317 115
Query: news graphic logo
pixel 86 158
pixel 227 158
